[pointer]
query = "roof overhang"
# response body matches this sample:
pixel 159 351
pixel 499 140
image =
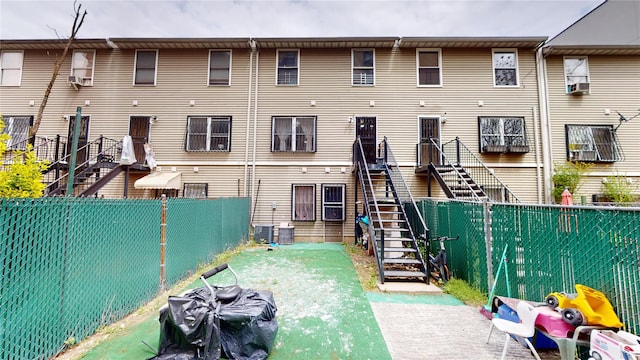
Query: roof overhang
pixel 471 42
pixel 328 42
pixel 591 50
pixel 159 180
pixel 56 44
pixel 181 43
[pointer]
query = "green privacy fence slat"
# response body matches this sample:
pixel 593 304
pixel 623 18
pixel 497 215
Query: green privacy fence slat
pixel 70 265
pixel 550 248
pixel 198 230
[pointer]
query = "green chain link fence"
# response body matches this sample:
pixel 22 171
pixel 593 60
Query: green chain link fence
pixel 69 266
pixel 549 249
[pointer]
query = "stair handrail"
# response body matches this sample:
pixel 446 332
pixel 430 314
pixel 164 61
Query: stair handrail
pixel 41 147
pixel 391 163
pixel 107 151
pixel 361 163
pixel 448 163
pixel 479 165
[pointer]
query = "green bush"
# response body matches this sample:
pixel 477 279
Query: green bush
pixel 568 176
pixel 617 189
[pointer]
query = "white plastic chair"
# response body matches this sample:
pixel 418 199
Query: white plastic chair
pixel 525 328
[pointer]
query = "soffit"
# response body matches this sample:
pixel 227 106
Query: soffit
pixel 471 42
pixel 318 43
pixel 181 43
pixel 53 44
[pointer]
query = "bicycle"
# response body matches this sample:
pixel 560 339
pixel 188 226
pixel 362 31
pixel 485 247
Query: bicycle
pixel 437 266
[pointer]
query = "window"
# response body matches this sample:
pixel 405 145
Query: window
pixel 303 203
pixel 333 202
pixel 502 134
pixel 82 64
pixel 146 63
pixel 363 71
pixel 592 143
pixel 18 129
pixel 505 68
pixel 220 67
pixel 293 133
pixel 429 70
pixel 208 133
pixel 195 190
pixel 287 67
pixel 11 68
pixel 576 70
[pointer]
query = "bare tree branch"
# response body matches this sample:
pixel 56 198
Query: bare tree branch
pixel 77 23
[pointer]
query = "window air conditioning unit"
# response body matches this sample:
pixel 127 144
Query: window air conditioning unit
pixel 75 81
pixel 579 88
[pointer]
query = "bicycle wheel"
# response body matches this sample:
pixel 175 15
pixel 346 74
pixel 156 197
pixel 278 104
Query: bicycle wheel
pixel 444 272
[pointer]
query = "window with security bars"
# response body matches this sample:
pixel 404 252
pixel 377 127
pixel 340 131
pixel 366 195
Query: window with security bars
pixel 303 202
pixel 220 67
pixel 145 70
pixel 195 190
pixel 505 68
pixel 502 134
pixel 363 68
pixel 17 127
pixel 208 133
pixel 11 68
pixel 592 143
pixel 429 69
pixel 82 66
pixel 287 67
pixel 333 202
pixel 293 134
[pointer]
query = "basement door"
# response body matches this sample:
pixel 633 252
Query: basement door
pixel 83 135
pixel 139 132
pixel 429 129
pixel 366 130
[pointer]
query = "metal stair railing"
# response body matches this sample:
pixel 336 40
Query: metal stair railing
pixel 402 191
pixel 44 149
pixel 495 189
pixel 101 157
pixel 454 175
pixel 361 167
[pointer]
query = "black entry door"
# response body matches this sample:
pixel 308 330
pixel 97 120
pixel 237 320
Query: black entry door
pixel 429 130
pixel 366 130
pixel 139 132
pixel 83 135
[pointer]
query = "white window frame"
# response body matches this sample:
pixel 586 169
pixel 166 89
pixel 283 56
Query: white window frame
pixel 228 68
pixel 135 68
pixel 18 134
pixel 504 140
pixel 573 79
pixel 494 52
pixel 76 69
pixel 418 67
pixel 195 190
pixel 308 214
pixel 285 67
pixel 4 68
pixel 355 68
pixel 276 136
pixel 209 135
pixel 582 144
pixel 338 205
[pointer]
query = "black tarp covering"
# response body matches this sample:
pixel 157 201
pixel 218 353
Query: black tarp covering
pixel 191 328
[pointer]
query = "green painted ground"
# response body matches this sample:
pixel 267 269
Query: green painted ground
pixel 323 313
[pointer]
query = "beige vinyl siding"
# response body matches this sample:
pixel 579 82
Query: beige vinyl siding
pixel 615 85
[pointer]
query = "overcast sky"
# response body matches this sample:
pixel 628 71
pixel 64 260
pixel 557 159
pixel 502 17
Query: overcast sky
pixel 30 19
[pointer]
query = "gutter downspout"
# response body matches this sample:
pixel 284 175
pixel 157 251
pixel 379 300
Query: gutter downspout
pixel 255 129
pixel 246 141
pixel 545 133
pixel 536 139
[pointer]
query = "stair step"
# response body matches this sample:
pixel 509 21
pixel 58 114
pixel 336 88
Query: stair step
pixel 391 229
pixel 396 273
pixel 400 249
pixel 401 261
